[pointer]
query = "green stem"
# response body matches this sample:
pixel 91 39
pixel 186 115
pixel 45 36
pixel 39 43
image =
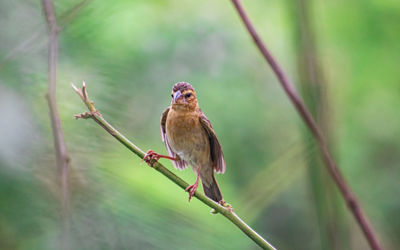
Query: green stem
pixel 226 212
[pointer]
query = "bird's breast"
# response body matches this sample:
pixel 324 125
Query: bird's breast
pixel 187 138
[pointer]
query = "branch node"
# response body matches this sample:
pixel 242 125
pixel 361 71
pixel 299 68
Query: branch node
pixel 84 115
pixel 87 115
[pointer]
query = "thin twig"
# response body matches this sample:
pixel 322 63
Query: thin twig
pixel 64 20
pixel 335 173
pixel 225 211
pixel 70 14
pixel 62 155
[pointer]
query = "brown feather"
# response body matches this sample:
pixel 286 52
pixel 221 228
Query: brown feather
pixel 181 164
pixel 212 190
pixel 217 156
pixel 182 86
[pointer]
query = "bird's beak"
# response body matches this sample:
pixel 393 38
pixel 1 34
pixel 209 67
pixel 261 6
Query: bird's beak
pixel 177 95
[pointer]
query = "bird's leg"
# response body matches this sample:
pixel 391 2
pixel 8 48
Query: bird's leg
pixel 150 157
pixel 192 188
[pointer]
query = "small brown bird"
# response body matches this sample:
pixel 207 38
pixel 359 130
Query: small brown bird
pixel 190 139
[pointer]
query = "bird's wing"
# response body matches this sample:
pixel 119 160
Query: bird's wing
pixel 217 157
pixel 180 164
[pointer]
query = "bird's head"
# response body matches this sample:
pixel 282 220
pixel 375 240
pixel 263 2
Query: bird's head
pixel 183 97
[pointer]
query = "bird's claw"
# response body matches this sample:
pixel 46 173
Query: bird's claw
pixel 191 189
pixel 226 205
pixel 151 157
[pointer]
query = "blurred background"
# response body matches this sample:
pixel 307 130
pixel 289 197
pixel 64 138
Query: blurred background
pixel 343 57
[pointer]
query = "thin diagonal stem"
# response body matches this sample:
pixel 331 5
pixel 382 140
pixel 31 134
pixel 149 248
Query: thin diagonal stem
pixel 70 14
pixel 334 171
pixel 64 20
pixel 225 211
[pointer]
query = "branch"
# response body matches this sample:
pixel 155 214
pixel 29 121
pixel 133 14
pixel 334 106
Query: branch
pixel 225 211
pixel 62 156
pixel 334 171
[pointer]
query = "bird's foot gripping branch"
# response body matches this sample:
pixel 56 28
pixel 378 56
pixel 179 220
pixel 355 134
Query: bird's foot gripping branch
pixel 225 209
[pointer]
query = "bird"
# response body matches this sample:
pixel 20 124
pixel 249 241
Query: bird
pixel 191 140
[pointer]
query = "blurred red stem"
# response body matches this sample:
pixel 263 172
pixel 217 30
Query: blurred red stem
pixel 335 173
pixel 62 155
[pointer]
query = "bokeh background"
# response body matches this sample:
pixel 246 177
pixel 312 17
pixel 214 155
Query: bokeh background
pixel 343 57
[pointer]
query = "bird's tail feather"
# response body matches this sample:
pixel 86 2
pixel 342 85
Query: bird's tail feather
pixel 212 190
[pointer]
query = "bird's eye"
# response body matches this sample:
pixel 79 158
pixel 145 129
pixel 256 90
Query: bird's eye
pixel 172 95
pixel 188 95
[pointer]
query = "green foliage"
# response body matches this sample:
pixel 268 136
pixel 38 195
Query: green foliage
pixel 130 53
